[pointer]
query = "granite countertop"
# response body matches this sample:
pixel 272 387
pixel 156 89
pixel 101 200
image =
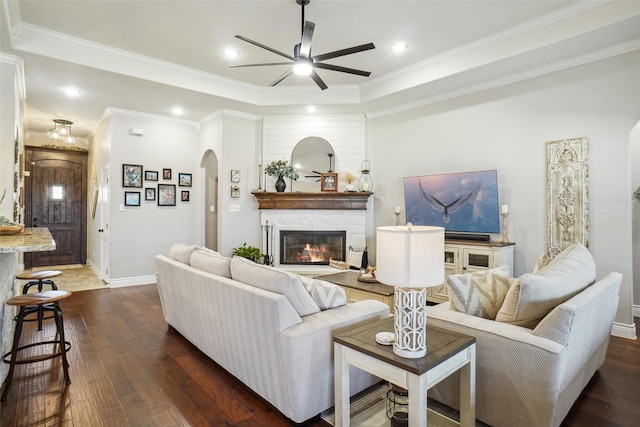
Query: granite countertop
pixel 29 240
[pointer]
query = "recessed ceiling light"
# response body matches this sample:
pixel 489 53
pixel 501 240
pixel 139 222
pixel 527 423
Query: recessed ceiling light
pixel 399 47
pixel 311 109
pixel 71 92
pixel 230 53
pixel 178 111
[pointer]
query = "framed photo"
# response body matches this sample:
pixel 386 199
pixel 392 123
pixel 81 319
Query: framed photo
pixel 150 175
pixel 235 191
pixel 166 173
pixel 184 179
pixel 150 194
pixel 235 175
pixel 132 198
pixel 184 195
pixel 329 181
pixel 131 175
pixel 166 195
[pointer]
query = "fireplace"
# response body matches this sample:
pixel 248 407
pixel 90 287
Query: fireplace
pixel 312 247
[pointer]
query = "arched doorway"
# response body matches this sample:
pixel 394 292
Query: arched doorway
pixel 210 164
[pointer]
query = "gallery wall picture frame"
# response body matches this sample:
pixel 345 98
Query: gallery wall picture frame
pixel 166 174
pixel 131 175
pixel 235 175
pixel 166 194
pixel 184 179
pixel 150 194
pixel 184 195
pixel 150 175
pixel 132 198
pixel 235 191
pixel 329 181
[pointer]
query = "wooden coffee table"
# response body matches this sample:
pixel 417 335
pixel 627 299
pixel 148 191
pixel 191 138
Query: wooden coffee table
pixel 358 291
pixel 446 353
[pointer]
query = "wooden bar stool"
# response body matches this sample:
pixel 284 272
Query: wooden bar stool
pixel 31 303
pixel 39 279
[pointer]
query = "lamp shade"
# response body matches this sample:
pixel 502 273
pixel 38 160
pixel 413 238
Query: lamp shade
pixel 410 256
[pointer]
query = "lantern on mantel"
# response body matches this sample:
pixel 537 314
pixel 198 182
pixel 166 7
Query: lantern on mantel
pixel 365 183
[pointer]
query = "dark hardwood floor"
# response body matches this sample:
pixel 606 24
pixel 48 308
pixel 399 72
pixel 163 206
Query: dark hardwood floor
pixel 129 369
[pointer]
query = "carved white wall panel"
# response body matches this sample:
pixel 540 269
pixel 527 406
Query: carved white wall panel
pixel 567 194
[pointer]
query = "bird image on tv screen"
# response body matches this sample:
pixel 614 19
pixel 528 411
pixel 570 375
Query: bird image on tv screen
pixel 460 202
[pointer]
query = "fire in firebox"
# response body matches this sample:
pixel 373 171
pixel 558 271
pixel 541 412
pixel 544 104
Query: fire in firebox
pixel 311 247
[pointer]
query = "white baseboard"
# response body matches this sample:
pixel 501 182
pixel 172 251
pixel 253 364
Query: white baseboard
pixel 636 311
pixel 132 281
pixel 624 331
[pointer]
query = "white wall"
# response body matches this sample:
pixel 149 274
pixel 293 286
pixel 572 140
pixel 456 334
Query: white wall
pixel 634 159
pixel 506 129
pixel 138 234
pixel 10 121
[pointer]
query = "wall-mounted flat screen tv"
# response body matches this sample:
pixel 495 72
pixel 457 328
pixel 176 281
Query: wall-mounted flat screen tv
pixel 465 202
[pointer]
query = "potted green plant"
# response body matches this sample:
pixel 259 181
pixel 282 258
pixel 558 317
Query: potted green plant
pixel 248 252
pixel 281 169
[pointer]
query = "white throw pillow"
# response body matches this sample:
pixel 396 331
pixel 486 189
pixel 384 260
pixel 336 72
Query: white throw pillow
pixel 327 295
pixel 533 296
pixel 480 293
pixel 274 280
pixel 181 252
pixel 211 261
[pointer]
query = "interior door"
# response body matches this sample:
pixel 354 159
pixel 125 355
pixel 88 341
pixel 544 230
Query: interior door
pixel 104 224
pixel 56 198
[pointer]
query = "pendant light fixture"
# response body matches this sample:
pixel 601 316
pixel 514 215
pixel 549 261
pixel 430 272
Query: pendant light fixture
pixel 62 131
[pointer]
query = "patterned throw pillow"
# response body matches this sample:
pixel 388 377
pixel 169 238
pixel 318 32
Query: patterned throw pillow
pixel 327 295
pixel 480 293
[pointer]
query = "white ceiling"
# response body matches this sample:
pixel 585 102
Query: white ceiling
pixel 150 55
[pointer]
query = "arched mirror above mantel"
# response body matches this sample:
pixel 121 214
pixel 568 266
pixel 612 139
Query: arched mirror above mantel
pixel 312 156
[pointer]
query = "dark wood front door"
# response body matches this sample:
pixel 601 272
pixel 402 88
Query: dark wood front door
pixel 56 198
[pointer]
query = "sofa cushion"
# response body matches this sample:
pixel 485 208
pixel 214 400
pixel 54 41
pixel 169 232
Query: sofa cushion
pixel 535 295
pixel 274 280
pixel 211 261
pixel 480 293
pixel 181 252
pixel 327 295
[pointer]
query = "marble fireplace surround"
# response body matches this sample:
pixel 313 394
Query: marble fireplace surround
pixel 353 222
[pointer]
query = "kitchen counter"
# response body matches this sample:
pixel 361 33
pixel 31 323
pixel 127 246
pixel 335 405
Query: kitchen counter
pixel 29 240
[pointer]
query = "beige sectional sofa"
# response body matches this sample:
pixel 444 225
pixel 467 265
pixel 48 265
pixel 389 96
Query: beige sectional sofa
pixel 552 337
pixel 270 329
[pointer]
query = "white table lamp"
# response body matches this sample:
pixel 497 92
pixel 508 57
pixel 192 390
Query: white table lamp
pixel 410 258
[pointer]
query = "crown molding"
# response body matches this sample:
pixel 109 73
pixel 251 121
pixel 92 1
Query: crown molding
pixel 586 58
pixel 114 111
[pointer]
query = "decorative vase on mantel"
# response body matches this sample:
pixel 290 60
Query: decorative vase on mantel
pixel 280 184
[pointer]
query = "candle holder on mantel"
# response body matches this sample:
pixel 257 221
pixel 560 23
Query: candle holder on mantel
pixel 505 222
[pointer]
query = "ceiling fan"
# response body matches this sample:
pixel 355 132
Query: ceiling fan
pixel 302 61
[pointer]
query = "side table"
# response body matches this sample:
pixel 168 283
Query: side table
pixel 446 353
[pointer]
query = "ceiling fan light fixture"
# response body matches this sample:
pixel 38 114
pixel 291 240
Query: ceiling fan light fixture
pixel 302 68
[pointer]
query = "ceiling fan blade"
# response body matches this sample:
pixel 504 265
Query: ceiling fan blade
pixel 316 78
pixel 307 34
pixel 344 52
pixel 277 52
pixel 260 65
pixel 282 77
pixel 341 69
